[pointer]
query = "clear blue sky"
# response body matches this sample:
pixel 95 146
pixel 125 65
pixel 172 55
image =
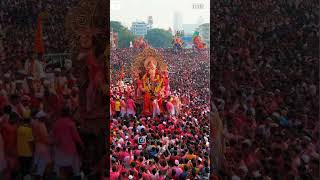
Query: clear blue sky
pixel 161 10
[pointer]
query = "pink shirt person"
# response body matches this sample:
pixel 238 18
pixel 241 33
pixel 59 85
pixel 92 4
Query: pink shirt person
pixel 170 108
pixel 66 138
pixel 123 107
pixel 66 135
pixel 156 108
pixel 42 156
pixel 131 107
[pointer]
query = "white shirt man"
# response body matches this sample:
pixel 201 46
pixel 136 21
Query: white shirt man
pixel 34 68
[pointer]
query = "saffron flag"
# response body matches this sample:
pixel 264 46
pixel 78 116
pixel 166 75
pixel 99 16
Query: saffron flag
pixel 38 40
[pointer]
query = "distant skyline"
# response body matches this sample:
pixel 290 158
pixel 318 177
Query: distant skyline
pixel 162 11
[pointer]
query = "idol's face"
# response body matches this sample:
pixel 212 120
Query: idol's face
pixel 151 65
pixel 136 76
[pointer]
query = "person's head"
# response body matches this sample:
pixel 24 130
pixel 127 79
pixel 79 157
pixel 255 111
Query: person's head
pixel 190 151
pixel 141 158
pixel 41 116
pixel 175 153
pixel 123 173
pixel 26 120
pixel 154 171
pixel 186 168
pixel 207 170
pixel 18 85
pixel 114 168
pixel 65 112
pixel 57 72
pixel 142 169
pixel 7 109
pixel 173 172
pixel 133 164
pixel 14 99
pixel 14 118
pixel 30 81
pixel 25 100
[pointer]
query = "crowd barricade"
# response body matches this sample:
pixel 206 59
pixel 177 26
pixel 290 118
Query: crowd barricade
pixel 56 60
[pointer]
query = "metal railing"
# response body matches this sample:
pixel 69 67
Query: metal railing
pixel 57 59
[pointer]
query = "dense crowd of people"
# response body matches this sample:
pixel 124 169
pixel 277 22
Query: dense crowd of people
pixel 264 74
pixel 266 87
pixel 18 22
pixel 41 124
pixel 41 127
pixel 173 142
pixel 39 134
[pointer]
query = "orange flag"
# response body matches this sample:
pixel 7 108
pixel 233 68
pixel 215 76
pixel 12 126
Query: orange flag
pixel 38 40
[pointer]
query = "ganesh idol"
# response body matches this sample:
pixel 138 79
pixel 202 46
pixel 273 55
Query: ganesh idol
pixel 151 81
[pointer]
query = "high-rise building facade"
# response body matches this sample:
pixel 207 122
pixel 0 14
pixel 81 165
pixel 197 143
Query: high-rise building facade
pixel 139 28
pixel 150 22
pixel 177 22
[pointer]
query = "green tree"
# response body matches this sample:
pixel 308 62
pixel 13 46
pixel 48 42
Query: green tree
pixel 159 38
pixel 124 35
pixel 116 26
